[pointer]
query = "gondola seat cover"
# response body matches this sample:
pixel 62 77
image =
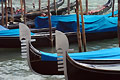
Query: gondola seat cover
pixel 3 28
pixel 110 14
pixel 93 23
pixel 103 24
pixel 10 32
pixel 112 53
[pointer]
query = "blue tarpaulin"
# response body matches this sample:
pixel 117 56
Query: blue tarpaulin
pixel 104 24
pixel 3 28
pixel 110 14
pixel 68 23
pixel 11 32
pixel 112 53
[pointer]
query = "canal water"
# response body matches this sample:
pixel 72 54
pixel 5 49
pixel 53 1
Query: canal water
pixel 13 67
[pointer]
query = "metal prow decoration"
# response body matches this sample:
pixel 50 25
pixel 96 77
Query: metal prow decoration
pixel 62 46
pixel 25 37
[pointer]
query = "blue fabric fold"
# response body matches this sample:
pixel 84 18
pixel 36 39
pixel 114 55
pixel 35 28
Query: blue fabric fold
pixel 68 23
pixel 9 32
pixel 112 53
pixel 3 28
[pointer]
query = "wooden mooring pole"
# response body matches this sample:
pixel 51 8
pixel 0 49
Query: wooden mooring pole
pixel 78 27
pixel 6 13
pixel 113 8
pixel 2 13
pixel 21 3
pixel 83 27
pixel 24 12
pixel 86 7
pixel 9 3
pixel 39 4
pixel 68 3
pixel 50 25
pixel 55 9
pixel 119 22
pixel 12 18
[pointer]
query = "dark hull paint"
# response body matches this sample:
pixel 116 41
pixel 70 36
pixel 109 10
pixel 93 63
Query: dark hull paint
pixel 78 72
pixel 39 66
pixel 51 67
pixel 14 42
pixel 43 41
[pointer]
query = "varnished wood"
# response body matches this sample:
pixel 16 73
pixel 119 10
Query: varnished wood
pixel 21 3
pixel 68 4
pixel 83 27
pixel 50 24
pixel 86 7
pixel 78 28
pixel 39 5
pixel 24 11
pixel 55 9
pixel 2 13
pixel 113 8
pixel 6 12
pixel 119 22
pixel 12 18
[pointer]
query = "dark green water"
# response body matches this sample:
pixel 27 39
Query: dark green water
pixel 13 67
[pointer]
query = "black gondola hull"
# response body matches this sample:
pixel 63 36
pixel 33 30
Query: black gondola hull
pixel 44 41
pixel 51 67
pixel 77 72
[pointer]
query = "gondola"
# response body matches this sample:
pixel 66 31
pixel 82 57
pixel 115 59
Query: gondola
pixel 55 19
pixel 61 11
pixel 38 60
pixel 11 39
pixel 58 4
pixel 30 23
pixel 104 8
pixel 43 36
pixel 35 13
pixel 67 24
pixel 44 10
pixel 75 70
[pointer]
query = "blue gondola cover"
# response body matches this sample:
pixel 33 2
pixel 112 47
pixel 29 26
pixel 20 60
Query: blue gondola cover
pixel 12 32
pixel 68 23
pixel 111 53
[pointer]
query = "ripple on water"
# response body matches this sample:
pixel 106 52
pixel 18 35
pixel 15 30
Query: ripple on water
pixel 19 70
